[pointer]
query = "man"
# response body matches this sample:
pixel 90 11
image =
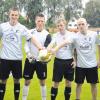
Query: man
pixel 11 33
pixel 32 62
pixel 85 43
pixel 63 63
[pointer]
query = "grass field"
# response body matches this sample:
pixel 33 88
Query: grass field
pixel 34 92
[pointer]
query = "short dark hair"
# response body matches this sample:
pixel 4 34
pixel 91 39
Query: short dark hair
pixel 40 15
pixel 14 9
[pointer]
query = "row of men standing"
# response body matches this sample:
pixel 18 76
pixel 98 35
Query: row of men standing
pixel 84 42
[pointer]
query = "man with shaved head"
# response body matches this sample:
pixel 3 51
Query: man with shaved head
pixel 85 43
pixel 86 58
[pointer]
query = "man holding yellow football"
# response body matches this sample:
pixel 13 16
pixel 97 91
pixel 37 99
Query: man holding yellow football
pixel 34 62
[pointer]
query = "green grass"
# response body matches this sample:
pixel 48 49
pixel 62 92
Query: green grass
pixel 34 91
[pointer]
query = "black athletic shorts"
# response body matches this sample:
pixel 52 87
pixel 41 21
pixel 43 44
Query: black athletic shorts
pixel 13 66
pixel 30 68
pixel 91 75
pixel 63 68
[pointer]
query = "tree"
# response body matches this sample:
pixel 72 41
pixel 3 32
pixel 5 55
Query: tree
pixel 70 8
pixel 5 5
pixel 55 9
pixel 4 8
pixel 73 9
pixel 92 13
pixel 32 8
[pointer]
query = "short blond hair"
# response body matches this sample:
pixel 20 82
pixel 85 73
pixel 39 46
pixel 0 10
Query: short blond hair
pixel 61 20
pixel 81 20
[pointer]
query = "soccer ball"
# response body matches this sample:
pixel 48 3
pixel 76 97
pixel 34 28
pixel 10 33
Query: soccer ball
pixel 44 56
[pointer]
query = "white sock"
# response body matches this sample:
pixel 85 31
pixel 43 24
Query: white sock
pixel 43 92
pixel 25 92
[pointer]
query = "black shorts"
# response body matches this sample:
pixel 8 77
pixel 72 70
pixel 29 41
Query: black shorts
pixel 63 68
pixel 30 68
pixel 7 66
pixel 91 75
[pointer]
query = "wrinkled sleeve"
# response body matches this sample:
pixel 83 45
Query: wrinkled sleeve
pixel 27 46
pixel 97 38
pixel 1 31
pixel 27 34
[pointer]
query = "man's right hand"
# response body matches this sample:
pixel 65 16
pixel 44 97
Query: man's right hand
pixel 52 51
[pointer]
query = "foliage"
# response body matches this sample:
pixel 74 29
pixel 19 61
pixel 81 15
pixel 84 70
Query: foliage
pixel 65 9
pixel 54 9
pixel 74 9
pixel 32 8
pixel 4 8
pixel 92 13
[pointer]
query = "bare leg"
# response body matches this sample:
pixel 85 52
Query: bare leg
pixel 94 91
pixel 78 91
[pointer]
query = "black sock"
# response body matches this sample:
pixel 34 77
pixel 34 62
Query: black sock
pixel 2 91
pixel 67 93
pixel 54 92
pixel 16 91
